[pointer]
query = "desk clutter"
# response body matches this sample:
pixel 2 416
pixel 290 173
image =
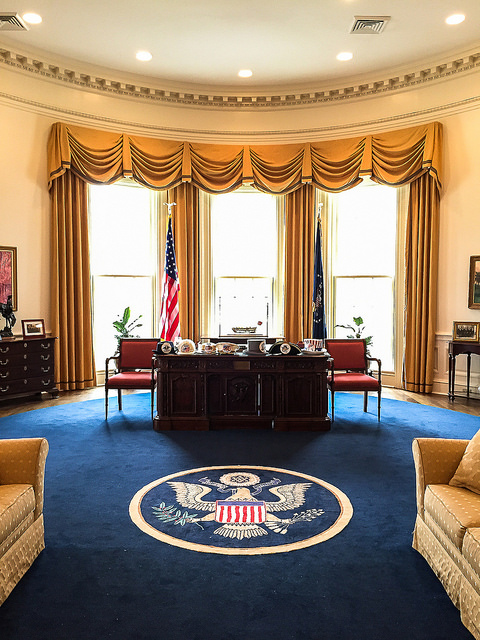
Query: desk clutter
pixel 254 346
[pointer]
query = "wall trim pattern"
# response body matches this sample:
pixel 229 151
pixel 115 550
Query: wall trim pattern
pixel 255 100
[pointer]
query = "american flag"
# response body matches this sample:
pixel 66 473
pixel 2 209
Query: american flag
pixel 169 317
pixel 319 328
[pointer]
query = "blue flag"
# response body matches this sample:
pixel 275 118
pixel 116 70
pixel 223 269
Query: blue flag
pixel 319 329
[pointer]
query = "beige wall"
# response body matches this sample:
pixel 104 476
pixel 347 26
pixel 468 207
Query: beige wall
pixel 29 105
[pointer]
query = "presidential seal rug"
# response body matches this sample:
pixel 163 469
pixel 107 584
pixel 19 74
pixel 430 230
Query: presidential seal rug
pixel 244 510
pixel 199 498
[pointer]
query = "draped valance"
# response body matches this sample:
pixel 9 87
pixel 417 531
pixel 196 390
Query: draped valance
pixel 100 157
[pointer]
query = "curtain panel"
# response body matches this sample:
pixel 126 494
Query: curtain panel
pixel 393 158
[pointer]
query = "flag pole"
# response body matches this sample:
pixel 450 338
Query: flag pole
pixel 169 313
pixel 319 329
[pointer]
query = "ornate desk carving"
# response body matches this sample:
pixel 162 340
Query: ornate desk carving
pixel 198 391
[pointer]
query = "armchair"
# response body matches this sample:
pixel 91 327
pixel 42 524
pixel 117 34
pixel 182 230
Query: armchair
pixel 134 369
pixel 22 538
pixel 349 370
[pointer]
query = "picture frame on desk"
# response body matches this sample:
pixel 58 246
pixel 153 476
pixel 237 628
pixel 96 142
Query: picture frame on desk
pixel 466 331
pixel 474 283
pixel 33 328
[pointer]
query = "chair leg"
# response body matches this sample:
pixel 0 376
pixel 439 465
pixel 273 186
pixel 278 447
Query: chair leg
pixel 379 400
pixel 365 401
pixel 119 399
pixel 332 395
pixel 106 403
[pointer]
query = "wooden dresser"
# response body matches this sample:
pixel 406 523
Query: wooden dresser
pixel 27 367
pixel 198 391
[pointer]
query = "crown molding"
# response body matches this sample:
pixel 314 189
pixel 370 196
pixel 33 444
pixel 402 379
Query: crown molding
pixel 94 82
pixel 364 127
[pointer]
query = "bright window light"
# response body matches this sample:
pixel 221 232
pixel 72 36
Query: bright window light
pixel 456 18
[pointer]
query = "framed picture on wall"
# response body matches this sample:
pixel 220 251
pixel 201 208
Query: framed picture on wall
pixel 33 328
pixel 474 283
pixel 466 331
pixel 8 275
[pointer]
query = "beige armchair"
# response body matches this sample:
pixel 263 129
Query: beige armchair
pixel 22 468
pixel 447 528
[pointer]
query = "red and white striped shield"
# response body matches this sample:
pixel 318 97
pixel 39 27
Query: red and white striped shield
pixel 247 512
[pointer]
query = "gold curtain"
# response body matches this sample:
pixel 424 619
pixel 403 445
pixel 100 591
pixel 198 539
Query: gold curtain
pixel 186 233
pixel 395 158
pixel 299 257
pixel 421 284
pixel 71 303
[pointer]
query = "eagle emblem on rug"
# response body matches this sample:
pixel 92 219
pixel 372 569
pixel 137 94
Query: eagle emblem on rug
pixel 241 514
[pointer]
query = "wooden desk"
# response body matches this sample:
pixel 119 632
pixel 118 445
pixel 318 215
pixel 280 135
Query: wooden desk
pixel 199 391
pixel 455 349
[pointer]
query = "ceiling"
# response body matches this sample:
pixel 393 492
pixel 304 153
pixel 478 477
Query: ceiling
pixel 286 43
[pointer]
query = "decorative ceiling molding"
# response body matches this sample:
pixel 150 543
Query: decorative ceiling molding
pixel 95 83
pixel 395 121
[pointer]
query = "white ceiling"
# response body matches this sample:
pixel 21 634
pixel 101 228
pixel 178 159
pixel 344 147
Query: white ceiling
pixel 286 43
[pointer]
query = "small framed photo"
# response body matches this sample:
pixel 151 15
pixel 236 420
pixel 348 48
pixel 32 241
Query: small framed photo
pixel 8 275
pixel 466 331
pixel 33 328
pixel 474 283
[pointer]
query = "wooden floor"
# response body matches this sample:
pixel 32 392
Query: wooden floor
pixel 20 405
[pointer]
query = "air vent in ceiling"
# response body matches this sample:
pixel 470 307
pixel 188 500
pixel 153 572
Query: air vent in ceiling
pixel 11 22
pixel 369 24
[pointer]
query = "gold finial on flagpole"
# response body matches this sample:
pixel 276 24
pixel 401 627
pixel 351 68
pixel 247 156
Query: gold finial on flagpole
pixel 319 212
pixel 170 205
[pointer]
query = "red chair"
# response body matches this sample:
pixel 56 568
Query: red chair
pixel 349 370
pixel 134 369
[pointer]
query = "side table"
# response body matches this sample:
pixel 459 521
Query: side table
pixel 455 349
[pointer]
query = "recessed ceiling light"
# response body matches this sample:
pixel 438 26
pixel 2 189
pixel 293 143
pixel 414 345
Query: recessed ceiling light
pixel 144 56
pixel 245 73
pixel 32 18
pixel 345 55
pixel 456 18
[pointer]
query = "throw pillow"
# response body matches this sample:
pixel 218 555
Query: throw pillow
pixel 468 471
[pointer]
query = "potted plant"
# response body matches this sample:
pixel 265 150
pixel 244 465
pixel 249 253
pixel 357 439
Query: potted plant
pixel 357 329
pixel 124 326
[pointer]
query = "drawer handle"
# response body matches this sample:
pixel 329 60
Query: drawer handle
pixel 45 345
pixel 4 362
pixel 45 357
pixel 4 349
pixel 25 382
pixel 5 375
pixel 46 382
pixel 5 388
pixel 45 369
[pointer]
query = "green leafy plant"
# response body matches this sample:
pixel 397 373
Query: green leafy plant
pixel 124 326
pixel 357 329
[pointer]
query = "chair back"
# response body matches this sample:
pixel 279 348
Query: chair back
pixel 136 353
pixel 347 353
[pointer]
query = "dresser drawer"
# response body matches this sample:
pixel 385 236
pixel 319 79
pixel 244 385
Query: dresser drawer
pixel 27 366
pixel 26 385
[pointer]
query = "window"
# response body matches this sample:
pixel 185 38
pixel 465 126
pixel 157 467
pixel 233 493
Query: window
pixel 364 232
pixel 246 249
pixel 123 260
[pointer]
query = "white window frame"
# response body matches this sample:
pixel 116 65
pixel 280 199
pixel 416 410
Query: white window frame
pixel 207 286
pixel 328 204
pixel 156 237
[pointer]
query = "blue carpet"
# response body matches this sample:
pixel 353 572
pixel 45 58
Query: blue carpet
pixel 101 577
